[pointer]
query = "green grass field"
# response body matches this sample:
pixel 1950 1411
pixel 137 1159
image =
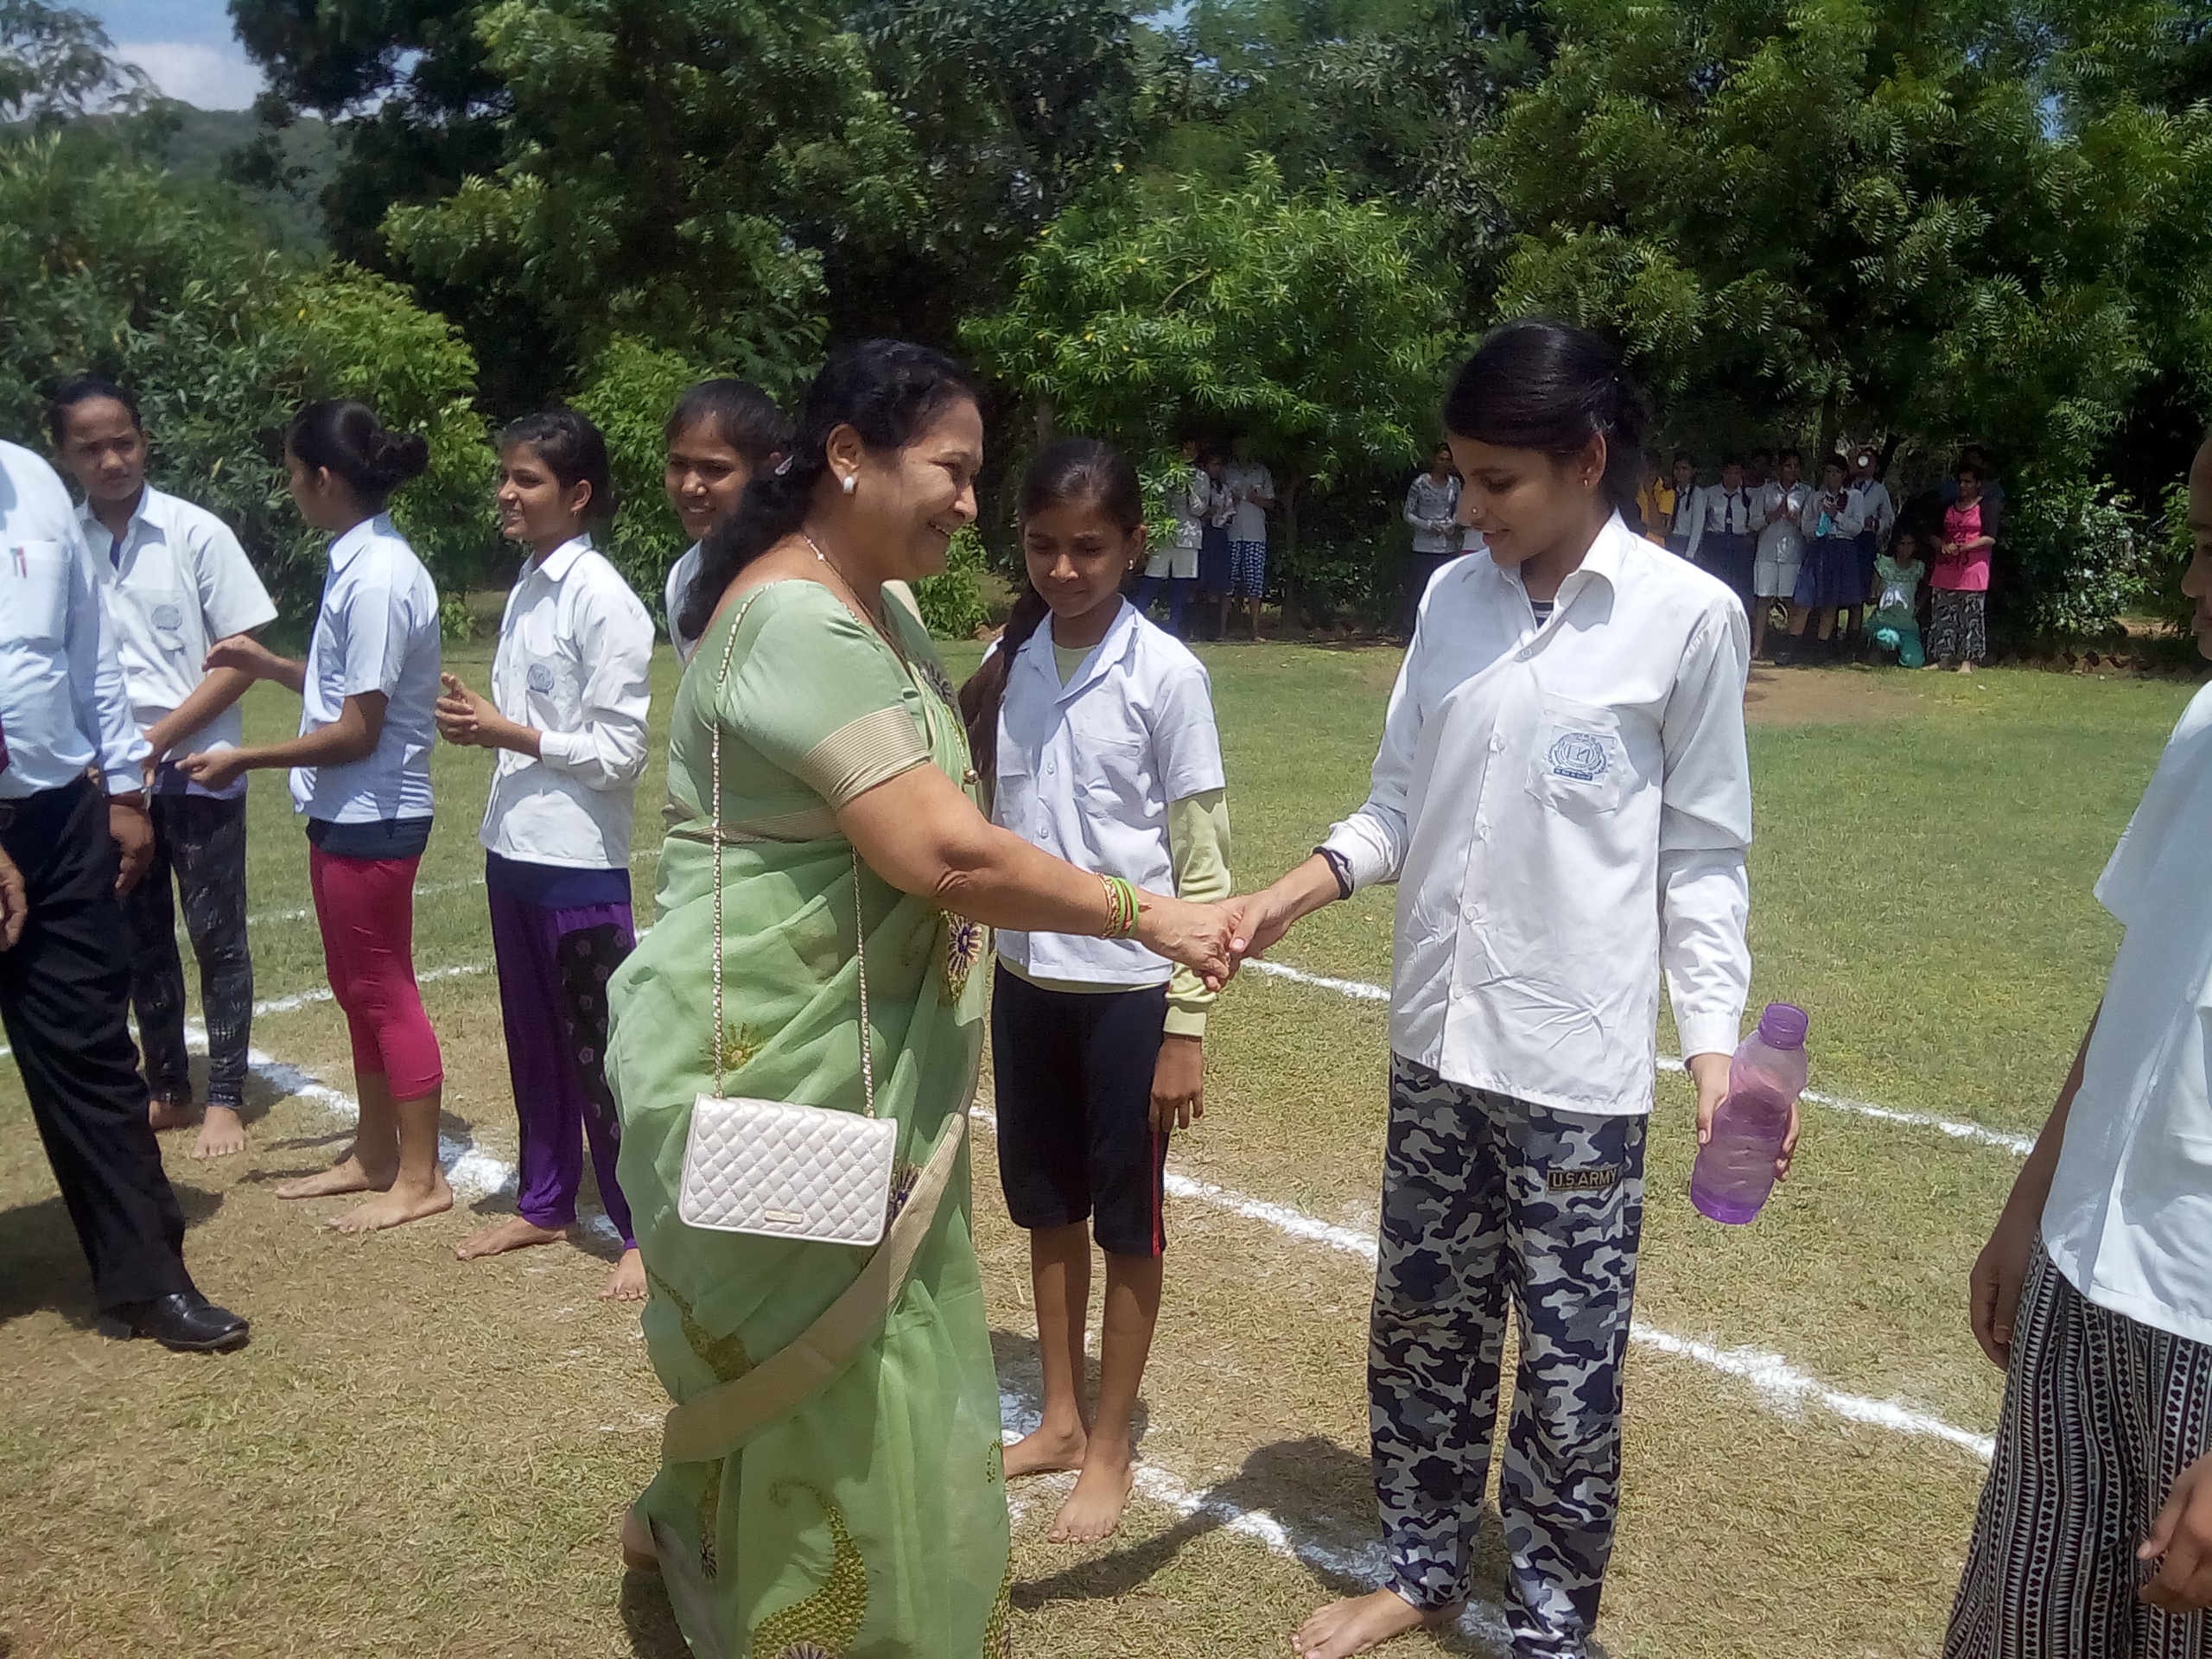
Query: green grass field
pixel 421 1456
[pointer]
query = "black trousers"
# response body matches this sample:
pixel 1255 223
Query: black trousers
pixel 64 990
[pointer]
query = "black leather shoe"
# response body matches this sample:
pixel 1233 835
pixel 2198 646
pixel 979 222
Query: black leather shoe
pixel 185 1321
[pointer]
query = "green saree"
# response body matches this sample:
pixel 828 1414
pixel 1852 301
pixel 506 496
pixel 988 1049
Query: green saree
pixel 870 1521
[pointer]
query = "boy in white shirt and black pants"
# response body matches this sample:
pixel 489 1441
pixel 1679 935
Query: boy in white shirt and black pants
pixel 73 822
pixel 2094 1534
pixel 174 580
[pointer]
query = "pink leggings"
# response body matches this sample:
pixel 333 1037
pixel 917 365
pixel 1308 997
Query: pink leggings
pixel 365 907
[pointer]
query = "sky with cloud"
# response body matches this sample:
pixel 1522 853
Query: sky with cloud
pixel 186 46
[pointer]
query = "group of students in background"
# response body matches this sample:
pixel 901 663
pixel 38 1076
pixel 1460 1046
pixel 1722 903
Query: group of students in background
pixel 1844 565
pixel 1218 551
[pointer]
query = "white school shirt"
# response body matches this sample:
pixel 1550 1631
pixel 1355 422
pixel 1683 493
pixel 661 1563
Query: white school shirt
pixel 1189 500
pixel 1720 511
pixel 575 661
pixel 1877 511
pixel 1844 523
pixel 1086 769
pixel 174 583
pixel 1565 808
pixel 679 584
pixel 1782 541
pixel 2129 1217
pixel 63 706
pixel 1429 503
pixel 376 631
pixel 1250 524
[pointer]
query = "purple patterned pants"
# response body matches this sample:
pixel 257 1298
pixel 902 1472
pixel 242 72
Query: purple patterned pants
pixel 554 966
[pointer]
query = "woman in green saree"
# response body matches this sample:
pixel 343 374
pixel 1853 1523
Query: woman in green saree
pixel 867 1520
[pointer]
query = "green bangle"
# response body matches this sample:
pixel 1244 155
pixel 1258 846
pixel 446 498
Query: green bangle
pixel 1121 907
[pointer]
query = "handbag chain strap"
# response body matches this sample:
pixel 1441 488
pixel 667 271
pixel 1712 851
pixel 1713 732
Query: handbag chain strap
pixel 714 820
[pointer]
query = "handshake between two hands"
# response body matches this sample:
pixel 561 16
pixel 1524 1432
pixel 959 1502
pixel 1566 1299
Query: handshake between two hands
pixel 1214 940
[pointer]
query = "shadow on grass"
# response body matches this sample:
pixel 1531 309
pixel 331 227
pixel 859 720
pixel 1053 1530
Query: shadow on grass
pixel 1319 1494
pixel 647 1620
pixel 46 1269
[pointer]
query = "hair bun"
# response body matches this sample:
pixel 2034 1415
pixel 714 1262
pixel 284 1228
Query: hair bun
pixel 400 456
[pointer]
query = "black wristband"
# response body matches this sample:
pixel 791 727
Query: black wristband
pixel 1339 867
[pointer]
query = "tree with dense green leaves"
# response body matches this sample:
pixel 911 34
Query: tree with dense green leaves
pixel 1380 96
pixel 1316 326
pixel 1897 217
pixel 57 62
pixel 729 178
pixel 107 266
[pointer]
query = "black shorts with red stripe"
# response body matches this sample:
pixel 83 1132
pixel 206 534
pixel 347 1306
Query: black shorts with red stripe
pixel 1073 1073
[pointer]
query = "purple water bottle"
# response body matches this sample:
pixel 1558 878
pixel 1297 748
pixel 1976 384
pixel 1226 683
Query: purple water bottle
pixel 1735 1169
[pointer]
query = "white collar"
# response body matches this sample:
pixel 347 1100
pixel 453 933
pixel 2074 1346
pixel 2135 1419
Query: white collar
pixel 556 564
pixel 343 550
pixel 1119 642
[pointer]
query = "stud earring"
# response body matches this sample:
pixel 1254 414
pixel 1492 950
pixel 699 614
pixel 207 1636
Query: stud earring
pixel 852 480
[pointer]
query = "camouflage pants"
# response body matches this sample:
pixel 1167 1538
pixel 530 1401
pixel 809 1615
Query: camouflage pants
pixel 1483 1197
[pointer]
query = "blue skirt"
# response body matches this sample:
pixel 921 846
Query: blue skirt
pixel 1213 559
pixel 1828 578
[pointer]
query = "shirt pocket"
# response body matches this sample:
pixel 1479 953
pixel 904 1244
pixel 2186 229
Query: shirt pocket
pixel 550 693
pixel 163 610
pixel 35 593
pixel 1114 770
pixel 1580 766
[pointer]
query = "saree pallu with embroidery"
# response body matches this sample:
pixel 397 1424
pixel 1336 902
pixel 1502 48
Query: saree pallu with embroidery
pixel 869 1521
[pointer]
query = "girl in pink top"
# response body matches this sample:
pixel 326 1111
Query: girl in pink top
pixel 1959 586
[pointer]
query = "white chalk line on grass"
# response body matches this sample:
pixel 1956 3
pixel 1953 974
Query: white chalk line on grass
pixel 1020 1412
pixel 2019 1145
pixel 1782 1386
pixel 470 1171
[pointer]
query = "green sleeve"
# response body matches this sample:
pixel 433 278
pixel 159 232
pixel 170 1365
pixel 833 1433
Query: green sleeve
pixel 1198 848
pixel 815 693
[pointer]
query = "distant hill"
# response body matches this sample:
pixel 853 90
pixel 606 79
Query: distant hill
pixel 209 145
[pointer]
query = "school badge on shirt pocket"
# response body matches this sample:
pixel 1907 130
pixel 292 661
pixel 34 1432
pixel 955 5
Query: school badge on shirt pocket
pixel 1579 766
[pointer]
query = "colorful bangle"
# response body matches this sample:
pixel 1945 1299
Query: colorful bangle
pixel 1121 909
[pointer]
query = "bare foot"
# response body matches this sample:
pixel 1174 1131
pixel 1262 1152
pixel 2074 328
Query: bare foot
pixel 1360 1624
pixel 402 1205
pixel 170 1113
pixel 639 1555
pixel 627 1282
pixel 221 1135
pixel 513 1234
pixel 1094 1508
pixel 1966 668
pixel 346 1175
pixel 1045 1453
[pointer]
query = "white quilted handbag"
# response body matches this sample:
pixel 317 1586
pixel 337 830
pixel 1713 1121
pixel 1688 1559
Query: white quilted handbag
pixel 769 1167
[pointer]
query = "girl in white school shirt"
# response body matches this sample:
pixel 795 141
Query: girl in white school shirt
pixel 720 433
pixel 566 722
pixel 1563 798
pixel 361 777
pixel 1097 729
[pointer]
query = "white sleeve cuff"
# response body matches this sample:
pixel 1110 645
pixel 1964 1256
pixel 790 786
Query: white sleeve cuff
pixel 1368 846
pixel 1709 1033
pixel 556 750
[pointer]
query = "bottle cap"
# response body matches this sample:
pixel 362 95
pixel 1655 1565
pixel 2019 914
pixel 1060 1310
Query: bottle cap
pixel 1782 1025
